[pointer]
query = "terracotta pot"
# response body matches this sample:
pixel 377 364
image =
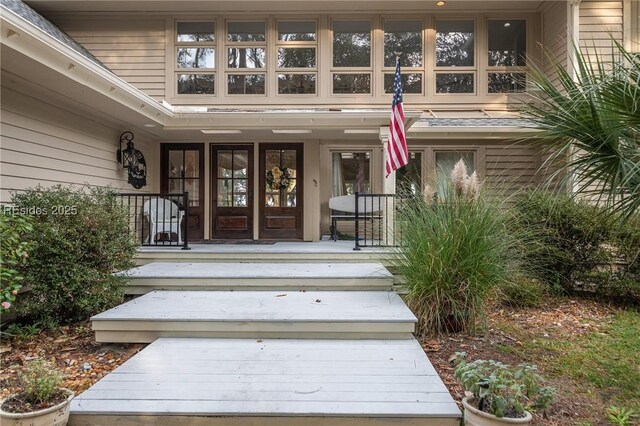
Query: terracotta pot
pixel 58 415
pixel 475 417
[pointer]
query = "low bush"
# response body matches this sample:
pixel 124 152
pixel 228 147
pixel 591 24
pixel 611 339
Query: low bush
pixel 14 251
pixel 568 237
pixel 80 237
pixel 523 292
pixel 454 253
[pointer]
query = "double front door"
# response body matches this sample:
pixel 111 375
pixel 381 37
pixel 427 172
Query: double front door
pixel 278 196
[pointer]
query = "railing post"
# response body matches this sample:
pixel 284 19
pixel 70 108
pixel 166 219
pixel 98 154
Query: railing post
pixel 185 203
pixel 357 222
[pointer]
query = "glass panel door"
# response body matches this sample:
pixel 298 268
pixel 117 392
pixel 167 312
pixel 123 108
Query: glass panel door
pixel 281 191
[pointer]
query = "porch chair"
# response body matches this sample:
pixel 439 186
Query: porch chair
pixel 343 209
pixel 164 217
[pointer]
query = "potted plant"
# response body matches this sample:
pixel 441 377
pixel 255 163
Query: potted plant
pixel 42 401
pixel 500 394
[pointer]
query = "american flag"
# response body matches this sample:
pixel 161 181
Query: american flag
pixel 397 152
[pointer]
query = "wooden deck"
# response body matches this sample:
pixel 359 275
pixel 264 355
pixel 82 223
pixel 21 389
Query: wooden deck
pixel 270 382
pixel 258 276
pixel 257 314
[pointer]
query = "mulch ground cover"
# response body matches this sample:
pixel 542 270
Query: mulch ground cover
pixel 512 335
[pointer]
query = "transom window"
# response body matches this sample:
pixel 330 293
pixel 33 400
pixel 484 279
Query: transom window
pixel 297 57
pixel 195 58
pixel 283 57
pixel 246 58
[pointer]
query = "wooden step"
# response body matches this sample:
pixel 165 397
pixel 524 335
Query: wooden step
pixel 280 252
pixel 242 382
pixel 257 276
pixel 257 314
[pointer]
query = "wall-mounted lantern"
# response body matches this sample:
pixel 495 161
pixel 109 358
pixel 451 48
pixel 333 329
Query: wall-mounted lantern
pixel 133 161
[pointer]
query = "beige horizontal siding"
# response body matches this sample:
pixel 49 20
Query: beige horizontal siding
pixel 43 144
pixel 133 49
pixel 599 22
pixel 554 25
pixel 509 167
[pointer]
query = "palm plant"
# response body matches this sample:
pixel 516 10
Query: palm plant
pixel 590 114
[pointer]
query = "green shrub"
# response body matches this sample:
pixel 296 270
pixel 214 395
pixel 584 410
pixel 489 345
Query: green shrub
pixel 80 237
pixel 454 253
pixel 14 251
pixel 523 292
pixel 569 237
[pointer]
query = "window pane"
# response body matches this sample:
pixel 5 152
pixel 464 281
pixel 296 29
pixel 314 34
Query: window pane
pixel 225 164
pixel 246 84
pixel 240 162
pixel 445 161
pixel 195 57
pixel 196 84
pixel 192 186
pixel 352 44
pixel 272 159
pixel 404 37
pixel 246 57
pixel 454 44
pixel 351 83
pixel 175 186
pixel 350 173
pixel 411 83
pixel 196 31
pixel 296 57
pixel 296 31
pixel 240 192
pixel 509 82
pixel 409 178
pixel 246 31
pixel 295 84
pixel 454 83
pixel 176 167
pixel 225 193
pixel 192 164
pixel 289 160
pixel 507 43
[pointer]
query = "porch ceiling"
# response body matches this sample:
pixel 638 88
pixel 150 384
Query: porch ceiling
pixel 226 6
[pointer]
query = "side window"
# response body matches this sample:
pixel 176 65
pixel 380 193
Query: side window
pixel 444 162
pixel 351 172
pixel 409 178
pixel 195 52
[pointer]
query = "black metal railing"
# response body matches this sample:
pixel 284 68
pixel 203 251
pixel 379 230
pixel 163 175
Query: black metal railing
pixel 158 219
pixel 376 220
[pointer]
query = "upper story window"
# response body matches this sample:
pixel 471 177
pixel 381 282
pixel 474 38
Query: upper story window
pixel 403 39
pixel 195 58
pixel 351 57
pixel 635 26
pixel 297 65
pixel 455 56
pixel 507 55
pixel 246 58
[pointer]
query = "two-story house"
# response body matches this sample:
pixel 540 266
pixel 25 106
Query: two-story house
pixel 217 93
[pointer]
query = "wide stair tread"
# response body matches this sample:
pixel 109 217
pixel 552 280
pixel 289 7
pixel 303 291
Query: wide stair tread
pixel 257 314
pixel 271 382
pixel 248 276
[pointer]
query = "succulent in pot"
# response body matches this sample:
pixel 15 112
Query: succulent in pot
pixel 500 394
pixel 42 401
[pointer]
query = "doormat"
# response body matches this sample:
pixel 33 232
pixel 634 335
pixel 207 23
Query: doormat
pixel 233 242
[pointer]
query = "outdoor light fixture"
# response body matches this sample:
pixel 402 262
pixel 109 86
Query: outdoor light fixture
pixel 441 3
pixel 132 160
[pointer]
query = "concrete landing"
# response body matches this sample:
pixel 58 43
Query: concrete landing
pixel 272 382
pixel 257 314
pixel 258 276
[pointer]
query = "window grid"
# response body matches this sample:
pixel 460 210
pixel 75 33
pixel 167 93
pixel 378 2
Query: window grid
pixel 246 75
pixel 296 72
pixel 408 73
pixel 205 73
